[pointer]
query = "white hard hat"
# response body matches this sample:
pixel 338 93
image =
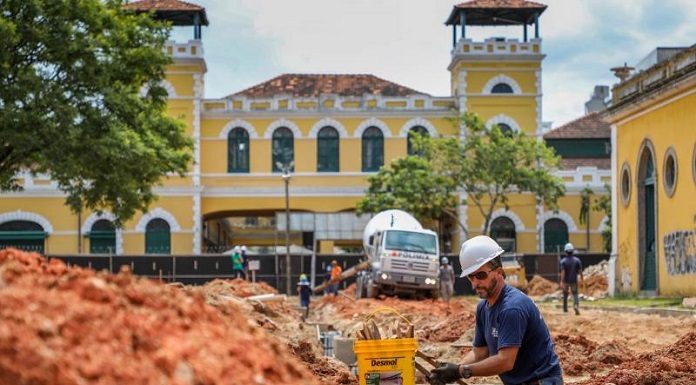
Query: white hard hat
pixel 568 247
pixel 476 252
pixel 445 260
pixel 236 248
pixel 244 248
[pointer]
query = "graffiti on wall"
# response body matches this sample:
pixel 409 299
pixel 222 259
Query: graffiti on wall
pixel 680 252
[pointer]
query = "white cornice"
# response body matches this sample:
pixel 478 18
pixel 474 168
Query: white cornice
pixel 158 212
pixel 501 78
pixel 238 123
pixel 20 215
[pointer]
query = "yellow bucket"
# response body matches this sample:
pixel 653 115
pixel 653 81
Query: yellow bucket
pixel 387 361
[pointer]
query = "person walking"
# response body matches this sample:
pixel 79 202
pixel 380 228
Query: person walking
pixel 446 277
pixel 237 264
pixel 571 269
pixel 336 271
pixel 511 339
pixel 328 287
pixel 305 292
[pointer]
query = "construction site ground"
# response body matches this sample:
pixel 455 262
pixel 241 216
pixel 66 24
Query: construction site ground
pixel 63 325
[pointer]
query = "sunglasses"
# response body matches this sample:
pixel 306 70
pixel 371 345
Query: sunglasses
pixel 480 276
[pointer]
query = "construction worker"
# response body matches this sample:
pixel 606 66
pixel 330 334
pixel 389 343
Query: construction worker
pixel 571 269
pixel 304 291
pixel 245 262
pixel 446 277
pixel 237 263
pixel 511 338
pixel 336 271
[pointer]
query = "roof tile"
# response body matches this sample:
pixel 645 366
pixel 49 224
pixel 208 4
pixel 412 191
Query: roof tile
pixel 499 4
pixel 590 126
pixel 313 85
pixel 163 5
pixel 573 163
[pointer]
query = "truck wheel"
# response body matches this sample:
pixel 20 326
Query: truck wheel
pixel 371 290
pixel 435 294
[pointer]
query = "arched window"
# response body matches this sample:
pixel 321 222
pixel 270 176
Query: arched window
pixel 157 237
pixel 555 235
pixel 417 130
pixel 372 149
pixel 102 237
pixel 502 88
pixel 505 129
pixel 503 231
pixel 327 150
pixel 23 235
pixel 238 150
pixel 283 149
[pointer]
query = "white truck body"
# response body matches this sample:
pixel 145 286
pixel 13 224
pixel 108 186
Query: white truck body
pixel 403 257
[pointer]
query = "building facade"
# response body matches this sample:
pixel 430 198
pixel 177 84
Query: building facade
pixel 308 143
pixel 654 167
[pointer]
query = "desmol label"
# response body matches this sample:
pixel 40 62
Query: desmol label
pixel 390 362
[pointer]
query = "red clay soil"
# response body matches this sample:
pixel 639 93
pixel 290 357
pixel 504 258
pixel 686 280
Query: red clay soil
pixel 67 325
pixel 579 355
pixel 672 365
pixel 328 371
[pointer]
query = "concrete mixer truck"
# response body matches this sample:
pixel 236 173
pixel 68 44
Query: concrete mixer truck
pixel 402 257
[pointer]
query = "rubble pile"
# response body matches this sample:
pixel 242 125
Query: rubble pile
pixel 595 279
pixel 539 285
pixel 68 325
pixel 674 365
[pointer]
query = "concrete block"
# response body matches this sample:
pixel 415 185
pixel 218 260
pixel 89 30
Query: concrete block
pixel 689 302
pixel 343 350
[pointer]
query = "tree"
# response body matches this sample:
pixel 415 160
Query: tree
pixel 584 215
pixel 488 164
pixel 410 184
pixel 603 204
pixel 72 105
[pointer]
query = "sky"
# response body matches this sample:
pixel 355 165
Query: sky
pixel 406 42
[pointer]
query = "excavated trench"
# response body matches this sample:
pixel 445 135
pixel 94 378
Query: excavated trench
pixel 66 325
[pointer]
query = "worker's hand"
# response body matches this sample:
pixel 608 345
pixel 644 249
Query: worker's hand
pixel 446 373
pixel 434 381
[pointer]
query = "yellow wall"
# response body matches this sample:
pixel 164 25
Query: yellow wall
pixel 670 125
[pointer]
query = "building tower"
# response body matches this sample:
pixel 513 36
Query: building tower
pixel 499 78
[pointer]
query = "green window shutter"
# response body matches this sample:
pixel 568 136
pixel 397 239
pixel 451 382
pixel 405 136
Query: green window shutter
pixel 283 151
pixel 157 237
pixel 102 237
pixel 238 151
pixel 555 235
pixel 23 235
pixel 372 149
pixel 328 150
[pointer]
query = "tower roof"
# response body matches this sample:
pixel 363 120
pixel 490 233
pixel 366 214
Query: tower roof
pixel 177 11
pixel 496 12
pixel 313 85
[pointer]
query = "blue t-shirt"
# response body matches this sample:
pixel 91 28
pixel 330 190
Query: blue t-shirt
pixel 572 266
pixel 514 320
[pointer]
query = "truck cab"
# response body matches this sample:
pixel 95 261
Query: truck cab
pixel 404 259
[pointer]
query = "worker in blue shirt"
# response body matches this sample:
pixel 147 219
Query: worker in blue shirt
pixel 511 338
pixel 571 268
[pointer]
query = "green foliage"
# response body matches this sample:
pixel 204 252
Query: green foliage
pixel 70 102
pixel 489 165
pixel 410 184
pixel 603 205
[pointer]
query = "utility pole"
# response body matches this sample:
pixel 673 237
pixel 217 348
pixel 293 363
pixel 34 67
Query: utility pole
pixel 286 179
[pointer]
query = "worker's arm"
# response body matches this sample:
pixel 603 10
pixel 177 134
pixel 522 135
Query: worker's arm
pixel 562 283
pixel 499 363
pixel 476 354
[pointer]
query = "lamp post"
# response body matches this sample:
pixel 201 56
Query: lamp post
pixel 286 178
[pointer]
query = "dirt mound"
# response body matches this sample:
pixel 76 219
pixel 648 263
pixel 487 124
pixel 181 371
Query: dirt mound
pixel 238 287
pixel 450 329
pixel 67 325
pixel 595 281
pixel 580 355
pixel 539 285
pixel 674 365
pixel 327 370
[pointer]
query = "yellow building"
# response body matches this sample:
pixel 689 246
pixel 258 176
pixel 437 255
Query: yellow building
pixel 319 136
pixel 654 170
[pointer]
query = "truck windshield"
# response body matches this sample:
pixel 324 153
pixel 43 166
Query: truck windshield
pixel 409 241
